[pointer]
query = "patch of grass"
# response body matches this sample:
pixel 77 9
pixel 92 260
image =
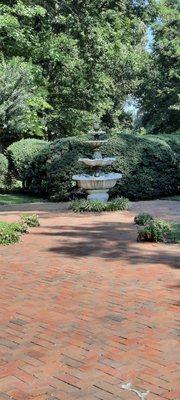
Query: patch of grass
pixel 175 198
pixel 8 199
pixel 175 227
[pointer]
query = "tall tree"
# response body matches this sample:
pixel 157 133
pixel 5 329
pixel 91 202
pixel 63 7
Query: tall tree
pixel 90 53
pixel 22 102
pixel 160 85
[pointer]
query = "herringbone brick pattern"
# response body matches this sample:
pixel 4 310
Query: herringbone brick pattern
pixel 85 308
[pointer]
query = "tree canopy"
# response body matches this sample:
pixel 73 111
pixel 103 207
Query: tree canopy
pixel 81 59
pixel 159 90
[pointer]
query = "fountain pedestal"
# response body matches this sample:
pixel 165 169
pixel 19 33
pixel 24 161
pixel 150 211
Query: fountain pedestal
pixel 98 183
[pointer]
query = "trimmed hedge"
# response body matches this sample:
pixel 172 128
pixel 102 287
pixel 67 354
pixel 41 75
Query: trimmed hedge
pixel 3 170
pixel 21 155
pixel 150 166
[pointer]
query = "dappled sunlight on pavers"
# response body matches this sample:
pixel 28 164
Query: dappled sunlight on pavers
pixel 84 308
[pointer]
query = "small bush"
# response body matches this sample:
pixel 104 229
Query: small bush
pixel 30 220
pixel 155 231
pixel 8 235
pixel 21 156
pixel 120 203
pixel 11 232
pixel 19 227
pixel 88 206
pixel 143 218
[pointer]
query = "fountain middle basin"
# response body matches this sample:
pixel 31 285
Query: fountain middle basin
pixel 98 162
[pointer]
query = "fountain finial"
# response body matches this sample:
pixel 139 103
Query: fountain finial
pixel 97 125
pixel 97 132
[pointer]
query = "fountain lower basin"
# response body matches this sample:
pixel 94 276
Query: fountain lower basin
pixel 97 187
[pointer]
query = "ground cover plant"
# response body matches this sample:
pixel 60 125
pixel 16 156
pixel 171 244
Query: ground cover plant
pixel 119 203
pixel 84 205
pixel 30 220
pixel 11 232
pixel 8 235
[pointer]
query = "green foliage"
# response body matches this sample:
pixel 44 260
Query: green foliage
pixel 18 198
pixel 21 156
pixel 158 91
pixel 19 227
pixel 85 58
pixel 175 234
pixel 155 231
pixel 11 232
pixel 119 203
pixel 143 218
pixel 88 206
pixel 8 235
pixel 3 170
pixel 90 53
pixel 150 166
pixel 30 220
pixel 22 97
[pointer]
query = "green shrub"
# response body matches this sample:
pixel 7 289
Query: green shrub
pixel 150 165
pixel 143 218
pixel 88 206
pixel 119 203
pixel 8 235
pixel 30 220
pixel 155 231
pixel 21 156
pixel 3 170
pixel 20 227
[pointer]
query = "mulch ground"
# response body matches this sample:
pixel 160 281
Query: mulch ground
pixel 85 308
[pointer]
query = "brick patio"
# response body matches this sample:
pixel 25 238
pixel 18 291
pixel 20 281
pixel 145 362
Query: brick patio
pixel 85 308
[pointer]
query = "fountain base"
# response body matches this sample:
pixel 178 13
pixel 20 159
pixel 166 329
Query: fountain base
pixel 101 195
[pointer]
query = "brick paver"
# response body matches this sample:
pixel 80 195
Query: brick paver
pixel 85 308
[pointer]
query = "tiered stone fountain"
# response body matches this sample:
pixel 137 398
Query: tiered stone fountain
pixel 98 183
